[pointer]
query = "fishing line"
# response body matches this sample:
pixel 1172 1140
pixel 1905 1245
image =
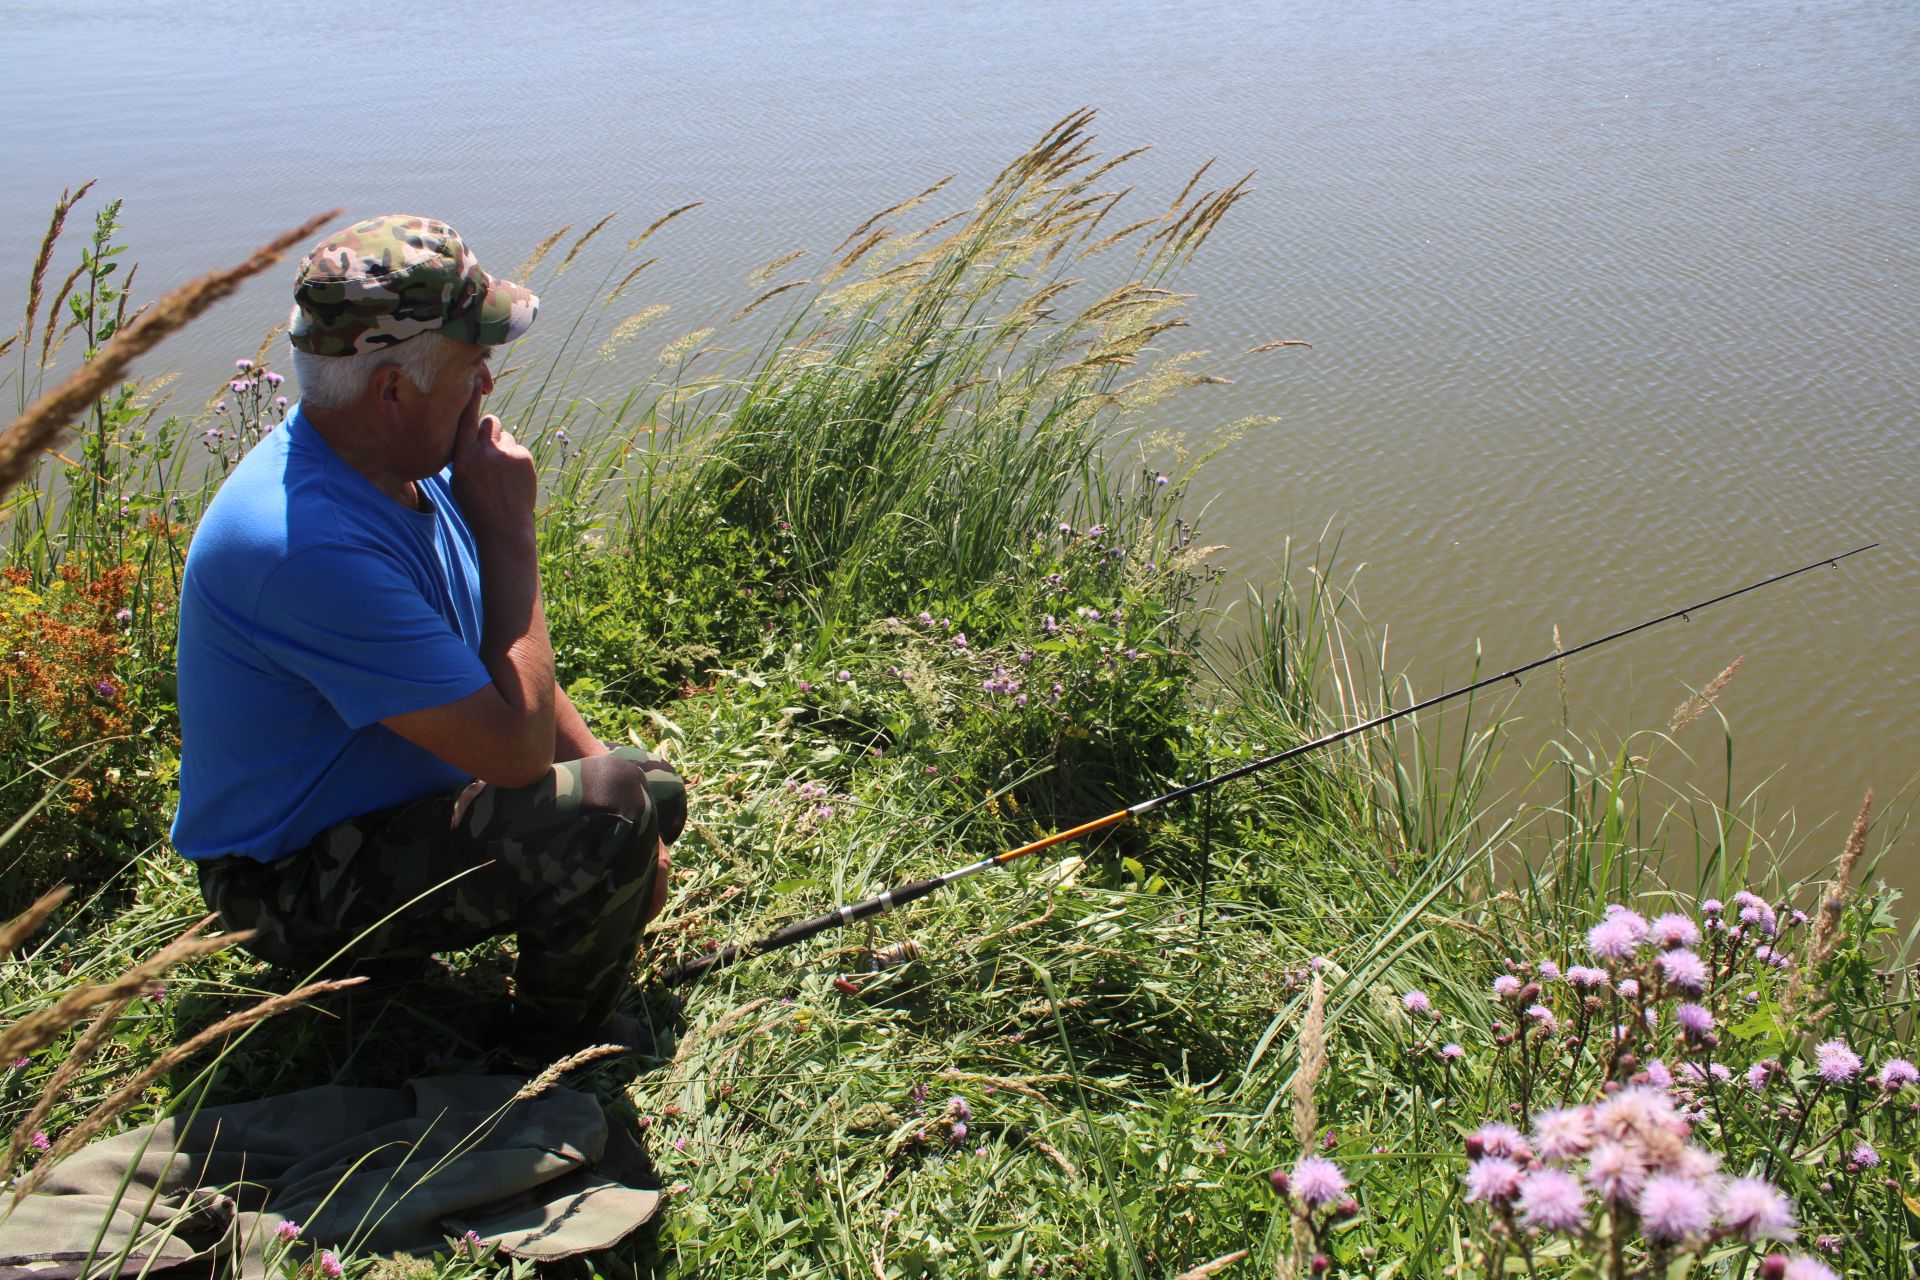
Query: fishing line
pixel 908 891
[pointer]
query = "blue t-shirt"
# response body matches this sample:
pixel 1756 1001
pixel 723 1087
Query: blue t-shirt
pixel 313 607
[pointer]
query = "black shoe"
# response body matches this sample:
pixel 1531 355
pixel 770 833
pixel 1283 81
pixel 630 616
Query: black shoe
pixel 540 1045
pixel 398 971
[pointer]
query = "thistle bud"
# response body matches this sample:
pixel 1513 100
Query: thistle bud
pixel 1774 1267
pixel 1476 1146
pixel 1347 1208
pixel 1320 1265
pixel 1281 1186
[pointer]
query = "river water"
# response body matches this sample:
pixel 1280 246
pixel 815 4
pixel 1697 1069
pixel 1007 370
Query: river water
pixel 1612 306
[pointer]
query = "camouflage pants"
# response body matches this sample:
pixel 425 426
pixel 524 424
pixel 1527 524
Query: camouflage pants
pixel 569 864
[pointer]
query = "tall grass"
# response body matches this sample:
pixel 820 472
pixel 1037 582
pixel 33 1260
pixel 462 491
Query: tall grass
pixel 899 579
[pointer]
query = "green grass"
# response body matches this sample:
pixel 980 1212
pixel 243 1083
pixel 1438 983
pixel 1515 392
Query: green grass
pixel 738 548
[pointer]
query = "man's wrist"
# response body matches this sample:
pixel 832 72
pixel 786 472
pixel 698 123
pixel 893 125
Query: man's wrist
pixel 507 541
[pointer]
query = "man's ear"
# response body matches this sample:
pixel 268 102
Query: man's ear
pixel 385 384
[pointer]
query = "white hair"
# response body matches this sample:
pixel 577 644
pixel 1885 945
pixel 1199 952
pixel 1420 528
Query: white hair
pixel 328 382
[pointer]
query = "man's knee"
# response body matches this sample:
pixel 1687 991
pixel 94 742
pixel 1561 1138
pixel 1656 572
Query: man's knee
pixel 614 785
pixel 664 787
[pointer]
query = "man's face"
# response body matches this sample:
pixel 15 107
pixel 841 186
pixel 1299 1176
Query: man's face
pixel 433 417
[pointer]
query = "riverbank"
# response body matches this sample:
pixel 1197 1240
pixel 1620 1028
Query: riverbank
pixel 909 584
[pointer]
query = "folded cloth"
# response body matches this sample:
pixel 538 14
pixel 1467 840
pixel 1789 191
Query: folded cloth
pixel 365 1170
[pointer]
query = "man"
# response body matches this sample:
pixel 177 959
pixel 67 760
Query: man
pixel 377 762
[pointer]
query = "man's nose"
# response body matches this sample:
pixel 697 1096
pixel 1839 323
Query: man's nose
pixel 486 381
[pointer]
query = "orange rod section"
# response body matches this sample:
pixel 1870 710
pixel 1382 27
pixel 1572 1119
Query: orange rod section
pixel 1060 837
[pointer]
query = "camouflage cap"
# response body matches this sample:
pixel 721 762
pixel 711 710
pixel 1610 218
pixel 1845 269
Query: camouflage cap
pixel 386 279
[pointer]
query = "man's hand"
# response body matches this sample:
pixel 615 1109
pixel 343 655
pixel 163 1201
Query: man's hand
pixel 494 479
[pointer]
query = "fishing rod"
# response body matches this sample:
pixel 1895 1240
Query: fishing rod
pixel 908 891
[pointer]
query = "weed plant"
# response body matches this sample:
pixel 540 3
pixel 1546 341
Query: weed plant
pixel 891 566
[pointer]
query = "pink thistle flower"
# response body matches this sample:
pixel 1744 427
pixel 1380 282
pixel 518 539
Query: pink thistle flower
pixel 287 1230
pixel 1695 1020
pixel 959 1132
pixel 1417 1002
pixel 1636 924
pixel 1684 970
pixel 1542 1016
pixel 1563 1133
pixel 1494 1179
pixel 330 1265
pixel 1640 1116
pixel 1673 930
pixel 1630 988
pixel 960 640
pixel 1758 1076
pixel 41 1142
pixel 1807 1267
pixel 1159 482
pixel 1657 1074
pixel 1553 1200
pixel 22 1062
pixel 1502 1140
pixel 1755 1209
pixel 843 676
pixel 1584 977
pixel 1674 1208
pixel 243 363
pixel 1713 907
pixel 1865 1156
pixel 1698 1164
pixel 1452 1052
pixel 1837 1063
pixel 1506 986
pixel 1548 971
pixel 1318 1181
pixel 1896 1072
pixel 1611 939
pixel 926 619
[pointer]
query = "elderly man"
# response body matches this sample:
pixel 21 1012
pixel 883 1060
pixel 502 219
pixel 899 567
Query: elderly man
pixel 377 762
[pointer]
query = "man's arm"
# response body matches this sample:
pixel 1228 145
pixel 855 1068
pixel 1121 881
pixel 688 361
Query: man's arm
pixel 505 733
